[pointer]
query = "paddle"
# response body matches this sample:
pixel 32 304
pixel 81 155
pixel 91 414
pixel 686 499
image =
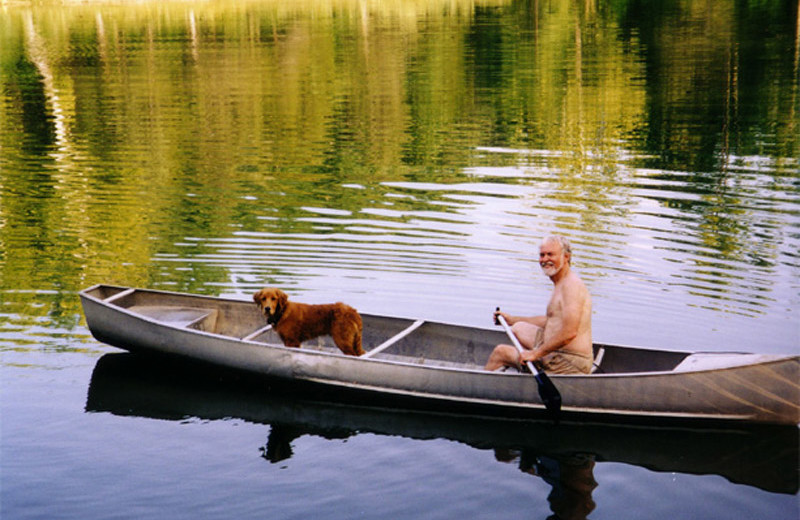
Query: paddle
pixel 547 390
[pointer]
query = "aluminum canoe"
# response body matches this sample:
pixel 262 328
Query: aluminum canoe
pixel 438 364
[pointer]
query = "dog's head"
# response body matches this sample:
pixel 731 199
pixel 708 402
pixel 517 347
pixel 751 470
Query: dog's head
pixel 272 302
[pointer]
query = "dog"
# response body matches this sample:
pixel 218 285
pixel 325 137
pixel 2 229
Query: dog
pixel 298 322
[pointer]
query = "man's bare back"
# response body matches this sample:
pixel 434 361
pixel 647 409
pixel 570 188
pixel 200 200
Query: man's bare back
pixel 562 339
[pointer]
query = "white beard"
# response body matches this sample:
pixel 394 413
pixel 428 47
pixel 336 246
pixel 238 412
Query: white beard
pixel 550 269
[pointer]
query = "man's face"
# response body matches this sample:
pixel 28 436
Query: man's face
pixel 551 257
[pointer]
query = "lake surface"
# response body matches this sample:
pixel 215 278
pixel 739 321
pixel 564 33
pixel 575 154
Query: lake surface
pixel 407 158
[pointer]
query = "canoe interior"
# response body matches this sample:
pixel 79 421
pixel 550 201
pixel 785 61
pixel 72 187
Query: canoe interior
pixel 428 343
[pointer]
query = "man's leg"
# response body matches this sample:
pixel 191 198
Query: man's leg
pixel 507 355
pixel 529 335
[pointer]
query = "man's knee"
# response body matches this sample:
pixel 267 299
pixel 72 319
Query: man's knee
pixel 507 353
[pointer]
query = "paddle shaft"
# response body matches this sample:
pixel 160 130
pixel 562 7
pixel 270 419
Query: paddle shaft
pixel 514 340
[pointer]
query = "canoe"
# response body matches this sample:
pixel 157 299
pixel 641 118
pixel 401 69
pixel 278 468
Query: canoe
pixel 420 363
pixel 756 455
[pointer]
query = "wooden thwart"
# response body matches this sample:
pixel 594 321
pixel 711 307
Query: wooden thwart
pixel 257 333
pixel 394 339
pixel 115 297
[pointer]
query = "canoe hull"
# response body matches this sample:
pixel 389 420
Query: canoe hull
pixel 445 367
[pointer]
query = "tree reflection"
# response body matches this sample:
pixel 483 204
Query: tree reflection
pixel 176 117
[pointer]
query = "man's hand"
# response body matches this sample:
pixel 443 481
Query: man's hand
pixel 505 316
pixel 528 355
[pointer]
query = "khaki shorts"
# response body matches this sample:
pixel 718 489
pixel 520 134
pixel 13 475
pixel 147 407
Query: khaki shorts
pixel 563 361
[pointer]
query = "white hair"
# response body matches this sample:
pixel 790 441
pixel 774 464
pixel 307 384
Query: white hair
pixel 566 247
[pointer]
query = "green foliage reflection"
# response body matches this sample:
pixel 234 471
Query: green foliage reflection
pixel 128 128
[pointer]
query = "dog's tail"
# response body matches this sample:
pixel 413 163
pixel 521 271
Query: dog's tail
pixel 357 342
pixel 358 350
pixel 348 327
pixel 358 328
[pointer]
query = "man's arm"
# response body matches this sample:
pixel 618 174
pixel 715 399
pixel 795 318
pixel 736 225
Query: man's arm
pixel 539 321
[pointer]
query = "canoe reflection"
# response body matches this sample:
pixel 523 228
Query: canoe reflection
pixel 765 457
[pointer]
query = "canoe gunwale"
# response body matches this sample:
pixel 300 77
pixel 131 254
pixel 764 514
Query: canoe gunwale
pixel 369 355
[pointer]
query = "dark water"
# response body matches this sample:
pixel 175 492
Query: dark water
pixel 405 157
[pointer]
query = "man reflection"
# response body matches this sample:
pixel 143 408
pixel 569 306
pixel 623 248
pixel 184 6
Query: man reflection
pixel 571 477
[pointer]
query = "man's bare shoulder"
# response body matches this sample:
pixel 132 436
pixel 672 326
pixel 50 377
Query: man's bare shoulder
pixel 573 286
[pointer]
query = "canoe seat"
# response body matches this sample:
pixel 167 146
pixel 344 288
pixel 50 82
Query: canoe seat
pixel 597 360
pixel 189 317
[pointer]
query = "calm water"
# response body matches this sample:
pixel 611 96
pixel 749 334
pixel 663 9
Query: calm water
pixel 404 157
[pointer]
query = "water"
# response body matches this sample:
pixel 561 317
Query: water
pixel 405 158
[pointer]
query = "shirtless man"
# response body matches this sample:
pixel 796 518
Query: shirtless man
pixel 561 340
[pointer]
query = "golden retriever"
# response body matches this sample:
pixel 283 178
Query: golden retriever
pixel 298 322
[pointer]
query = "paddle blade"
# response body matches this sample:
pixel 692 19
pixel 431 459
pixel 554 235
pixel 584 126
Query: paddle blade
pixel 550 395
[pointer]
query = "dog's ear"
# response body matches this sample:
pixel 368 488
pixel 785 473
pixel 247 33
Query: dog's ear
pixel 258 296
pixel 282 297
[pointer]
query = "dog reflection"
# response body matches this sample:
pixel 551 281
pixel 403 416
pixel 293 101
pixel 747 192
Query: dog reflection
pixel 281 436
pixel 279 442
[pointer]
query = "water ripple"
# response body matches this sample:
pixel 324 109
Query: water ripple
pixel 653 242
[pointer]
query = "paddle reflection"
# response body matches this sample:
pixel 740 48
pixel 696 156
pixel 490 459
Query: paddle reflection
pixel 564 456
